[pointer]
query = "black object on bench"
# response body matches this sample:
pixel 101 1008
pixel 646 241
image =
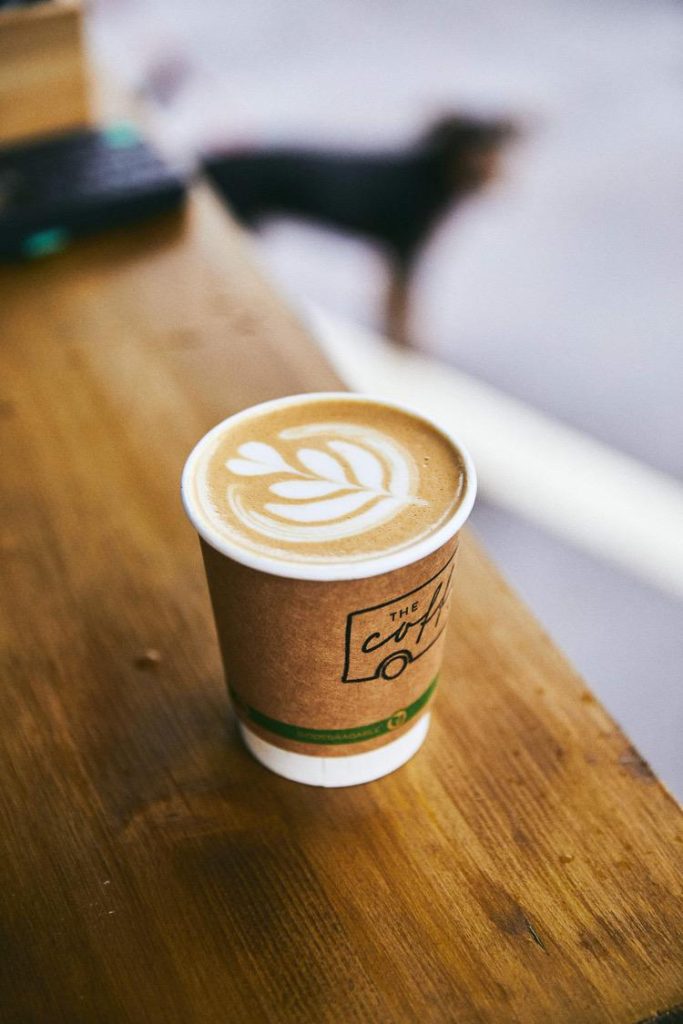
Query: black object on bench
pixel 61 186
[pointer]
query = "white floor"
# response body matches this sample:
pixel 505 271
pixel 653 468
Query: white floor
pixel 561 285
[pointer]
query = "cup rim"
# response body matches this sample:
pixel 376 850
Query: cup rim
pixel 374 565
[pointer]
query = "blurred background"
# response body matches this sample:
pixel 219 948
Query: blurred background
pixel 558 285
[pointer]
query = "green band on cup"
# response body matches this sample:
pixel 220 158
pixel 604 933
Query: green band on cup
pixel 302 734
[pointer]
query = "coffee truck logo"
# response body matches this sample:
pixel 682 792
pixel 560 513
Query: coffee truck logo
pixel 383 640
pixel 346 480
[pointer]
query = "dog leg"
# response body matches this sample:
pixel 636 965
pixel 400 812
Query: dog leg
pixel 396 322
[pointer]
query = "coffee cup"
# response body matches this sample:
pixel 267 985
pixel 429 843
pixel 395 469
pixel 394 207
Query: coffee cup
pixel 328 526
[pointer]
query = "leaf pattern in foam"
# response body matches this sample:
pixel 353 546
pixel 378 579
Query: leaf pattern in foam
pixel 299 490
pixel 259 459
pixel 332 497
pixel 322 465
pixel 366 467
pixel 245 468
pixel 322 511
pixel 257 451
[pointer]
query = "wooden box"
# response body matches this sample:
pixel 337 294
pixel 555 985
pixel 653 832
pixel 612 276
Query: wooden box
pixel 43 85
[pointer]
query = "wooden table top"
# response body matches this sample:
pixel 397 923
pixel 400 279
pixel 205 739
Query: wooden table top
pixel 525 866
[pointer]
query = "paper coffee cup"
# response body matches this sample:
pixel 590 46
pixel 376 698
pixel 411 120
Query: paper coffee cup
pixel 328 526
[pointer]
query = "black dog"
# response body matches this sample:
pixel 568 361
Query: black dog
pixel 392 198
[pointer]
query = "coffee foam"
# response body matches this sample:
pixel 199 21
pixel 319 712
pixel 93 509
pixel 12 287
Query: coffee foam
pixel 324 480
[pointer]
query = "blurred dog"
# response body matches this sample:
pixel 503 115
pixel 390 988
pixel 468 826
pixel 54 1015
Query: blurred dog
pixel 394 198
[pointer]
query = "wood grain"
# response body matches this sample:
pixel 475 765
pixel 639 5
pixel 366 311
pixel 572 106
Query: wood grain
pixel 524 867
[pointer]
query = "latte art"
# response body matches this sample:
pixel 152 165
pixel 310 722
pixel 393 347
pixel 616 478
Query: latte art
pixel 324 480
pixel 348 484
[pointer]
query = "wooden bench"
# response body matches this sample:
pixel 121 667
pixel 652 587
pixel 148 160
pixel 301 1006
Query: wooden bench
pixel 525 866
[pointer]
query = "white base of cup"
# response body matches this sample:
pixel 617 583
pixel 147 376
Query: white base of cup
pixel 337 771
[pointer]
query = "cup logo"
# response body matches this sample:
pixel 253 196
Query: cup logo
pixel 382 641
pixel 342 481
